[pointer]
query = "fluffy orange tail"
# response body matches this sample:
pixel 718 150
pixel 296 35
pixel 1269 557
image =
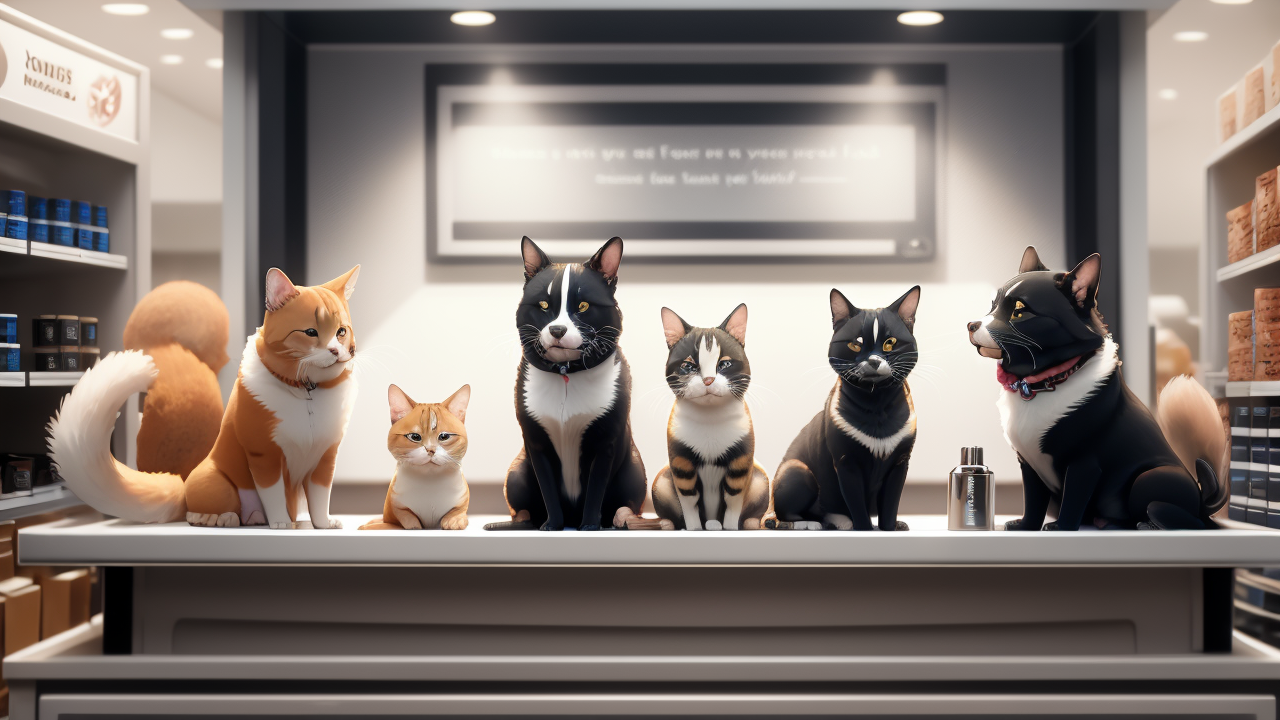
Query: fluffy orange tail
pixel 1193 427
pixel 80 445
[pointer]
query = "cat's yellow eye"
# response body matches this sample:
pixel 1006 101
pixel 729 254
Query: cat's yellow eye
pixel 855 347
pixel 582 306
pixel 888 344
pixel 542 304
pixel 1017 309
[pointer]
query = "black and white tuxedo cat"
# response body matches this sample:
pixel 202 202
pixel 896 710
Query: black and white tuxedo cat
pixel 850 461
pixel 1082 438
pixel 712 481
pixel 579 467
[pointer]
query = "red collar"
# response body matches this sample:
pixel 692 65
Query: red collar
pixel 1044 381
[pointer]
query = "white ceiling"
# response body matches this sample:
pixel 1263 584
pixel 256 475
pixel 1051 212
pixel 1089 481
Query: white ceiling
pixel 1183 132
pixel 138 39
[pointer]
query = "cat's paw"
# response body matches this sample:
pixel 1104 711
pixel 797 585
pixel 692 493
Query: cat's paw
pixel 552 526
pixel 901 526
pixel 227 519
pixel 751 524
pixel 1147 526
pixel 714 525
pixel 1018 525
pixel 256 518
pixel 1053 527
pixel 621 517
pixel 770 521
pixel 458 522
pixel 410 522
pixel 838 522
pixel 282 525
pixel 588 527
pixel 334 524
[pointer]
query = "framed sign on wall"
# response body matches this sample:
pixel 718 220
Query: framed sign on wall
pixel 685 162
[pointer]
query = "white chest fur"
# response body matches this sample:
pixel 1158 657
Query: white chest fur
pixel 880 447
pixel 1026 421
pixel 430 495
pixel 566 409
pixel 709 430
pixel 309 422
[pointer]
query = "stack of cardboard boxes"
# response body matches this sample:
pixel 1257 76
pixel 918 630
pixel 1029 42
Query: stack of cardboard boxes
pixel 1250 98
pixel 1255 225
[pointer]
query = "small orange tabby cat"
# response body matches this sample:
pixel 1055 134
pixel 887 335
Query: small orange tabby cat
pixel 428 491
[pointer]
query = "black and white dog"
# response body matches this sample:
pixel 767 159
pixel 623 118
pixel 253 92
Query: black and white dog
pixel 1083 439
pixel 573 399
pixel 850 461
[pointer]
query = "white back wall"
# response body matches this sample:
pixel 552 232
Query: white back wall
pixel 432 327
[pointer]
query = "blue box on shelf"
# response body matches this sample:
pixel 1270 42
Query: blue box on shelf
pixel 15 225
pixel 82 219
pixel 101 236
pixel 63 232
pixel 38 219
pixel 10 357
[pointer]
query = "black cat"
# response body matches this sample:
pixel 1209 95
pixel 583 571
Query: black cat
pixel 579 466
pixel 1082 438
pixel 850 461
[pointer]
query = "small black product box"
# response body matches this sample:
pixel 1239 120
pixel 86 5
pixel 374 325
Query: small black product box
pixel 44 331
pixel 1240 449
pixel 68 330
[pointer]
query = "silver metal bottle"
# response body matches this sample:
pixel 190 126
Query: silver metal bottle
pixel 971 493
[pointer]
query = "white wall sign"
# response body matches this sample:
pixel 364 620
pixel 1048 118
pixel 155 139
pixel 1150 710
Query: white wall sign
pixel 44 75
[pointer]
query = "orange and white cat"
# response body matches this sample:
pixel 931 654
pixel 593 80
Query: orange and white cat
pixel 428 491
pixel 279 435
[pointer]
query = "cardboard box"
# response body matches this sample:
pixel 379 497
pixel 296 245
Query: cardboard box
pixel 1254 102
pixel 21 613
pixel 1266 334
pixel 81 587
pixel 1266 211
pixel 1273 82
pixel 8 549
pixel 1240 233
pixel 1240 346
pixel 55 604
pixel 1229 112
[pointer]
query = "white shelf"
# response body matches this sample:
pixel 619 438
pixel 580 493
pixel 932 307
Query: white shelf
pixel 13 379
pixel 115 542
pixel 1245 138
pixel 77 255
pixel 1255 388
pixel 1254 262
pixel 9 245
pixel 53 379
pixel 42 500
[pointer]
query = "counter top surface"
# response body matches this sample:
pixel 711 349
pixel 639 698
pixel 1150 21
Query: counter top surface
pixel 116 542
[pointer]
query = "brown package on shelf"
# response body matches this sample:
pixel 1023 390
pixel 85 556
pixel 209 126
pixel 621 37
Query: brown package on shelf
pixel 8 546
pixel 1255 96
pixel 1273 84
pixel 55 614
pixel 1266 211
pixel 21 613
pixel 81 587
pixel 1266 334
pixel 1240 235
pixel 1228 113
pixel 1240 346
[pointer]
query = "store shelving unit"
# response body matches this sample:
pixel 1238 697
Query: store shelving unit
pixel 1228 287
pixel 54 155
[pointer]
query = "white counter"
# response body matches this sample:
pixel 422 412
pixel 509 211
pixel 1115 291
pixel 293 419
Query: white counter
pixel 115 542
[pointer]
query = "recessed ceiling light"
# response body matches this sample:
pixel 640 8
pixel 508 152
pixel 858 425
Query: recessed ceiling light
pixel 472 18
pixel 126 9
pixel 1191 36
pixel 920 17
pixel 1233 2
pixel 215 63
pixel 171 59
pixel 1168 94
pixel 177 33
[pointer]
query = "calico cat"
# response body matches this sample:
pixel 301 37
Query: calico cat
pixel 850 461
pixel 279 435
pixel 712 481
pixel 428 491
pixel 579 466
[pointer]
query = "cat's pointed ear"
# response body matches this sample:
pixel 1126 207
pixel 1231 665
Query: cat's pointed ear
pixel 736 324
pixel 344 284
pixel 280 289
pixel 1030 261
pixel 534 259
pixel 399 402
pixel 1081 284
pixel 674 327
pixel 457 403
pixel 607 259
pixel 906 306
pixel 841 308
